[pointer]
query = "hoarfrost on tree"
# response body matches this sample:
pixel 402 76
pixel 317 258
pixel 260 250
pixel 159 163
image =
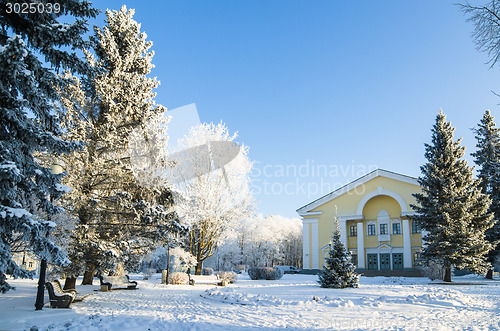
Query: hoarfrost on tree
pixel 28 125
pixel 215 200
pixel 120 217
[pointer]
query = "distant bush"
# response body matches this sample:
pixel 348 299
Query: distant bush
pixel 207 271
pixel 228 276
pixel 240 267
pixel 265 273
pixel 178 278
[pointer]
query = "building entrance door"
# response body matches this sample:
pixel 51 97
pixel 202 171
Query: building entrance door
pixel 385 261
pixel 372 261
pixel 397 261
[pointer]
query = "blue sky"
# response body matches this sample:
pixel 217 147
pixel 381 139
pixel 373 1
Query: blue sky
pixel 321 91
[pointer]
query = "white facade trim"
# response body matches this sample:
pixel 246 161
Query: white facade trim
pixel 315 245
pixel 384 247
pixel 305 245
pixel 381 191
pixel 343 231
pixel 312 213
pixel 310 247
pixel 310 220
pixel 383 218
pixel 361 246
pixel 406 244
pixel 370 223
pixel 396 221
pixel 352 217
pixel 358 182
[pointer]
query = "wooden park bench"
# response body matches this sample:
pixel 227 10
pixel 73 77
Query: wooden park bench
pixel 58 297
pixel 208 280
pixel 118 282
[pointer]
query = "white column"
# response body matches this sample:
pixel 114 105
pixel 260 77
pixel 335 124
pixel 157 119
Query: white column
pixel 315 244
pixel 305 244
pixel 343 231
pixel 361 246
pixel 406 244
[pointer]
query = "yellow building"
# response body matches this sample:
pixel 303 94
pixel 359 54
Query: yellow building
pixel 372 213
pixel 30 260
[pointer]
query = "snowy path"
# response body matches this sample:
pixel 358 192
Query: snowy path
pixel 294 302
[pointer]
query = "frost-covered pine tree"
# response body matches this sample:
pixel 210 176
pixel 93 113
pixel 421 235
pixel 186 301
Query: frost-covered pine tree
pixel 32 47
pixel 119 213
pixel 339 272
pixel 487 157
pixel 451 207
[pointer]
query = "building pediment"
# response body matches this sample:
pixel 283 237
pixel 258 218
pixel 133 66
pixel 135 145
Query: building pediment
pixel 357 185
pixel 384 246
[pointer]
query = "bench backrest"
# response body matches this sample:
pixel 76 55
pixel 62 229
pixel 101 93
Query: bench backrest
pixel 116 279
pixel 57 287
pixel 54 289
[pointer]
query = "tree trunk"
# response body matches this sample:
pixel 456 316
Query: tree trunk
pixel 447 274
pixel 489 274
pixel 70 283
pixel 199 266
pixel 88 276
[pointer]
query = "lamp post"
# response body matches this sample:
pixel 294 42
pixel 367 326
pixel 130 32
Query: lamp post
pixel 41 283
pixel 55 169
pixel 23 265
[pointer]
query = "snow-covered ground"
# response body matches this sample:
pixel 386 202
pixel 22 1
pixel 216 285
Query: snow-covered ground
pixel 293 302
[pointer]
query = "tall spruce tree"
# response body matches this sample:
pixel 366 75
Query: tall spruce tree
pixel 451 207
pixel 487 157
pixel 118 216
pixel 32 47
pixel 339 272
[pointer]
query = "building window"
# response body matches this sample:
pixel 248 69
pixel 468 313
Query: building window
pixel 416 257
pixel 415 227
pixel 354 259
pixel 30 264
pixel 383 228
pixel 371 229
pixel 396 228
pixel 353 231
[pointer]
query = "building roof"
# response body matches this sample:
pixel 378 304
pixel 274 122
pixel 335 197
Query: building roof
pixel 352 185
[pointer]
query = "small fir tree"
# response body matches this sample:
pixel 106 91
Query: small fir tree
pixel 487 157
pixel 339 271
pixel 451 207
